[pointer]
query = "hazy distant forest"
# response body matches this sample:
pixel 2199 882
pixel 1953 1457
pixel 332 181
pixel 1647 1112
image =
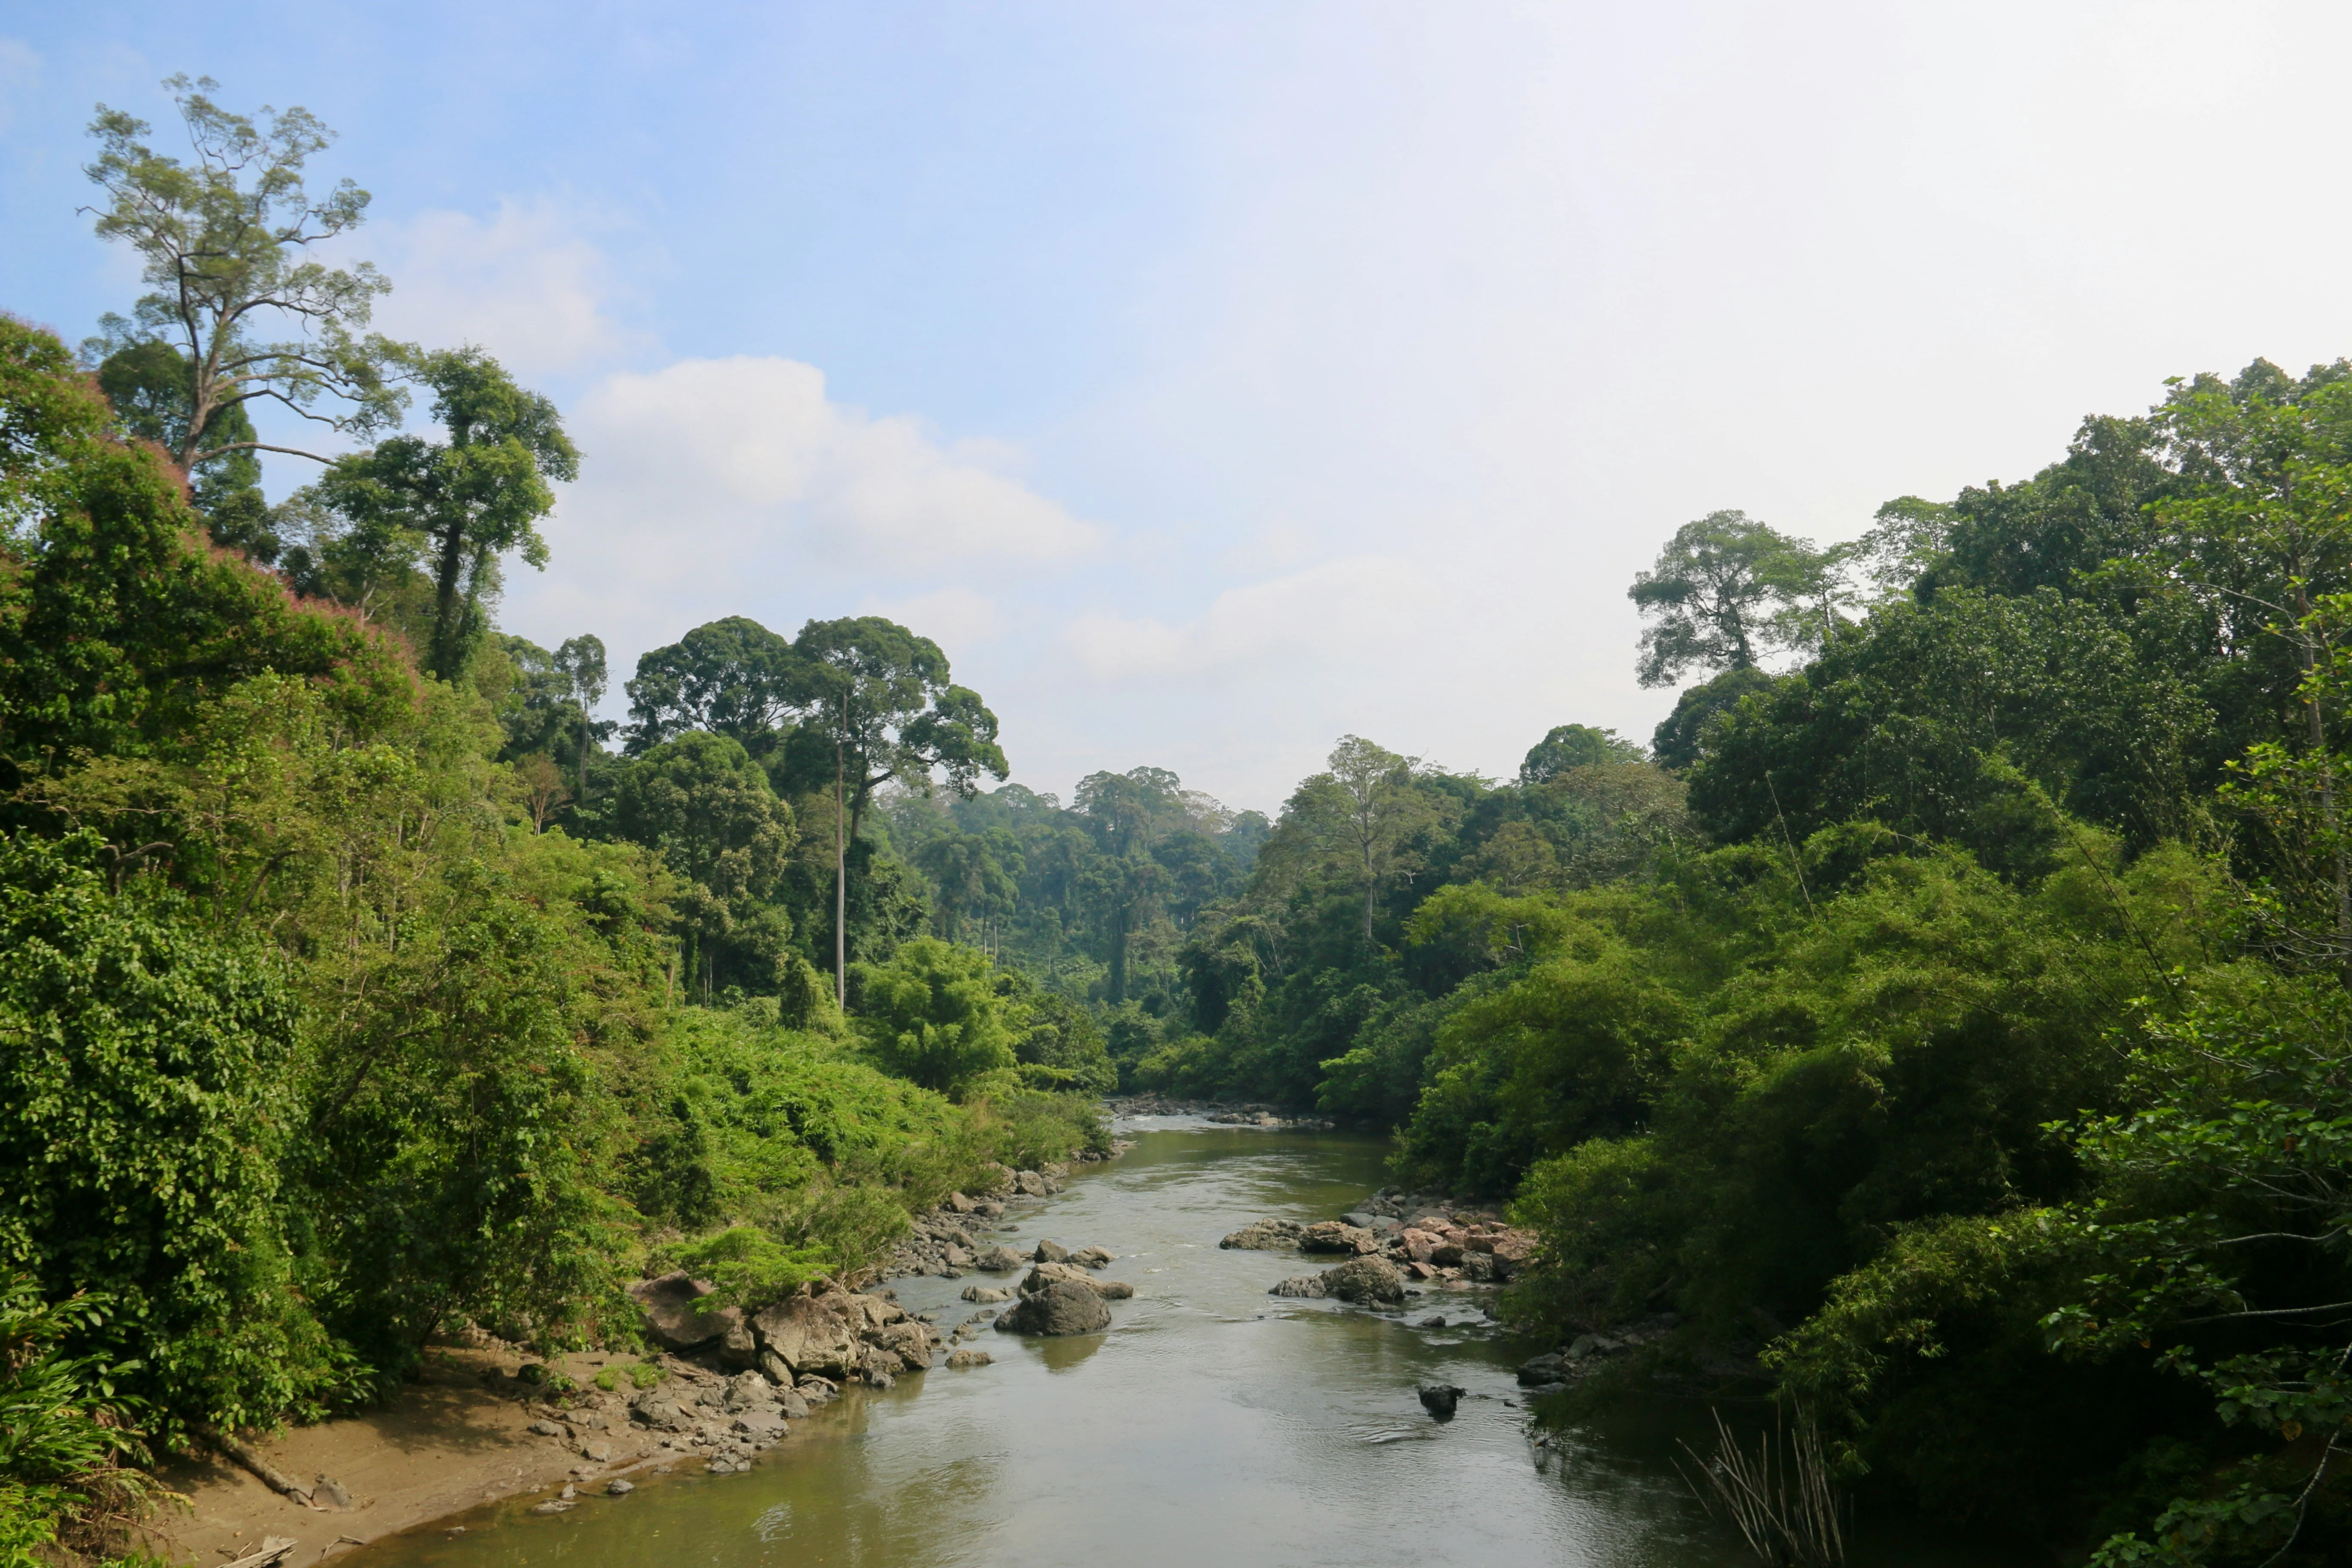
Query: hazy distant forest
pixel 1943 1014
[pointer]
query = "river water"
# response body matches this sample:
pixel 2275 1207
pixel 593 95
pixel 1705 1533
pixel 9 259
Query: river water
pixel 1213 1426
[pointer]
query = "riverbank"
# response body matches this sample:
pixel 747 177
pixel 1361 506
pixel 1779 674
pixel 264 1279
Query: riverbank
pixel 460 1435
pixel 485 1421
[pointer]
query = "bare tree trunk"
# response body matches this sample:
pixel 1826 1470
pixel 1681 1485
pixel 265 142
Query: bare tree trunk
pixel 840 888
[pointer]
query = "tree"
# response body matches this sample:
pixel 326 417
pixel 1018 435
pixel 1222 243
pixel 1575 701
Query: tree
pixel 1370 807
pixel 933 1013
pixel 1574 746
pixel 466 502
pixel 881 696
pixel 1677 743
pixel 707 808
pixel 580 660
pixel 1713 595
pixel 148 384
pixel 733 677
pixel 222 256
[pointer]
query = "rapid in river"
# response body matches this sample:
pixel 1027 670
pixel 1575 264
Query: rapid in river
pixel 1212 1426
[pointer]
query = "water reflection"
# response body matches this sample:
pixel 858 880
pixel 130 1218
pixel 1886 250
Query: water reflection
pixel 1211 1424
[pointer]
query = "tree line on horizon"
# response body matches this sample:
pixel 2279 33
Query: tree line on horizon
pixel 1942 1021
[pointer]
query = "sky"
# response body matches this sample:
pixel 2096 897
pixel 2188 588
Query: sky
pixel 1212 380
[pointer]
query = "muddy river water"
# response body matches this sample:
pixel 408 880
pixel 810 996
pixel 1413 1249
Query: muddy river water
pixel 1213 1426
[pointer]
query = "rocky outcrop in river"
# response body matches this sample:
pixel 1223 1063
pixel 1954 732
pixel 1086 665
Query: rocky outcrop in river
pixel 1405 1239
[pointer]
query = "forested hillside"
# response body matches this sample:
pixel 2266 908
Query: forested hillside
pixel 1939 1023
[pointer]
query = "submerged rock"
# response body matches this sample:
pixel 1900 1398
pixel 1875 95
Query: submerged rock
pixel 984 1295
pixel 1440 1398
pixel 1062 1307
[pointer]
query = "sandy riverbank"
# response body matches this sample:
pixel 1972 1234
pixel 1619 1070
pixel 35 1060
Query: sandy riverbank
pixel 454 1439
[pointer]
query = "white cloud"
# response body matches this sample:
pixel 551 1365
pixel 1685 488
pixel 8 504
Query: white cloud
pixel 956 617
pixel 749 457
pixel 1337 613
pixel 524 284
pixel 738 487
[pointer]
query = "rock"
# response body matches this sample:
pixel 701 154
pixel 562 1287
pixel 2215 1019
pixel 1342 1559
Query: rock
pixel 1478 1267
pixel 760 1425
pixel 1050 1252
pixel 794 1407
pixel 997 1259
pixel 1337 1235
pixel 1541 1369
pixel 600 1452
pixel 738 1347
pixel 1045 1274
pixel 658 1411
pixel 956 1256
pixel 332 1494
pixel 911 1343
pixel 877 1379
pixel 568 1493
pixel 960 1204
pixel 673 1317
pixel 620 1488
pixel 551 1506
pixel 547 1429
pixel 810 1334
pixel 1265 1235
pixel 1093 1258
pixel 981 1295
pixel 1418 1272
pixel 1439 1399
pixel 1029 1185
pixel 1306 1285
pixel 1364 1279
pixel 1446 1254
pixel 1062 1307
pixel 964 1360
pixel 818 1390
pixel 1436 1322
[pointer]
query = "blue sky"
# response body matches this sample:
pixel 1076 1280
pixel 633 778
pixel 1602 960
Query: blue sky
pixel 1212 380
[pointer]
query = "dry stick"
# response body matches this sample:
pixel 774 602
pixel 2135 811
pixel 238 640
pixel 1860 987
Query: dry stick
pixel 1798 865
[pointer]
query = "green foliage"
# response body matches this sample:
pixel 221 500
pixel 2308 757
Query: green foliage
pixel 225 244
pixel 933 1013
pixel 454 507
pixel 144 1105
pixel 747 1266
pixel 1574 746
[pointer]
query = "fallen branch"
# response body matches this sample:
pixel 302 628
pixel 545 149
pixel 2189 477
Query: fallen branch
pixel 269 1474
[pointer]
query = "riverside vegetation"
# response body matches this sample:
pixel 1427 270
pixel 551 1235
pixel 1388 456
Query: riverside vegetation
pixel 1943 1029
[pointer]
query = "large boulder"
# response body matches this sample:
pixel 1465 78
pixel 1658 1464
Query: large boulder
pixel 675 1319
pixel 1337 1235
pixel 659 1411
pixel 1265 1235
pixel 1365 1280
pixel 1030 1185
pixel 1051 1251
pixel 997 1259
pixel 808 1333
pixel 909 1340
pixel 1062 1307
pixel 1093 1258
pixel 1306 1286
pixel 1046 1274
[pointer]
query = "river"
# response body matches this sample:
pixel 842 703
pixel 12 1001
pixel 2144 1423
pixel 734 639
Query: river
pixel 1213 1426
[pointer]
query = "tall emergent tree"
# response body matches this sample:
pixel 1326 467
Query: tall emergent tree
pixel 1721 593
pixel 881 697
pixel 462 503
pixel 224 241
pixel 581 661
pixel 732 677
